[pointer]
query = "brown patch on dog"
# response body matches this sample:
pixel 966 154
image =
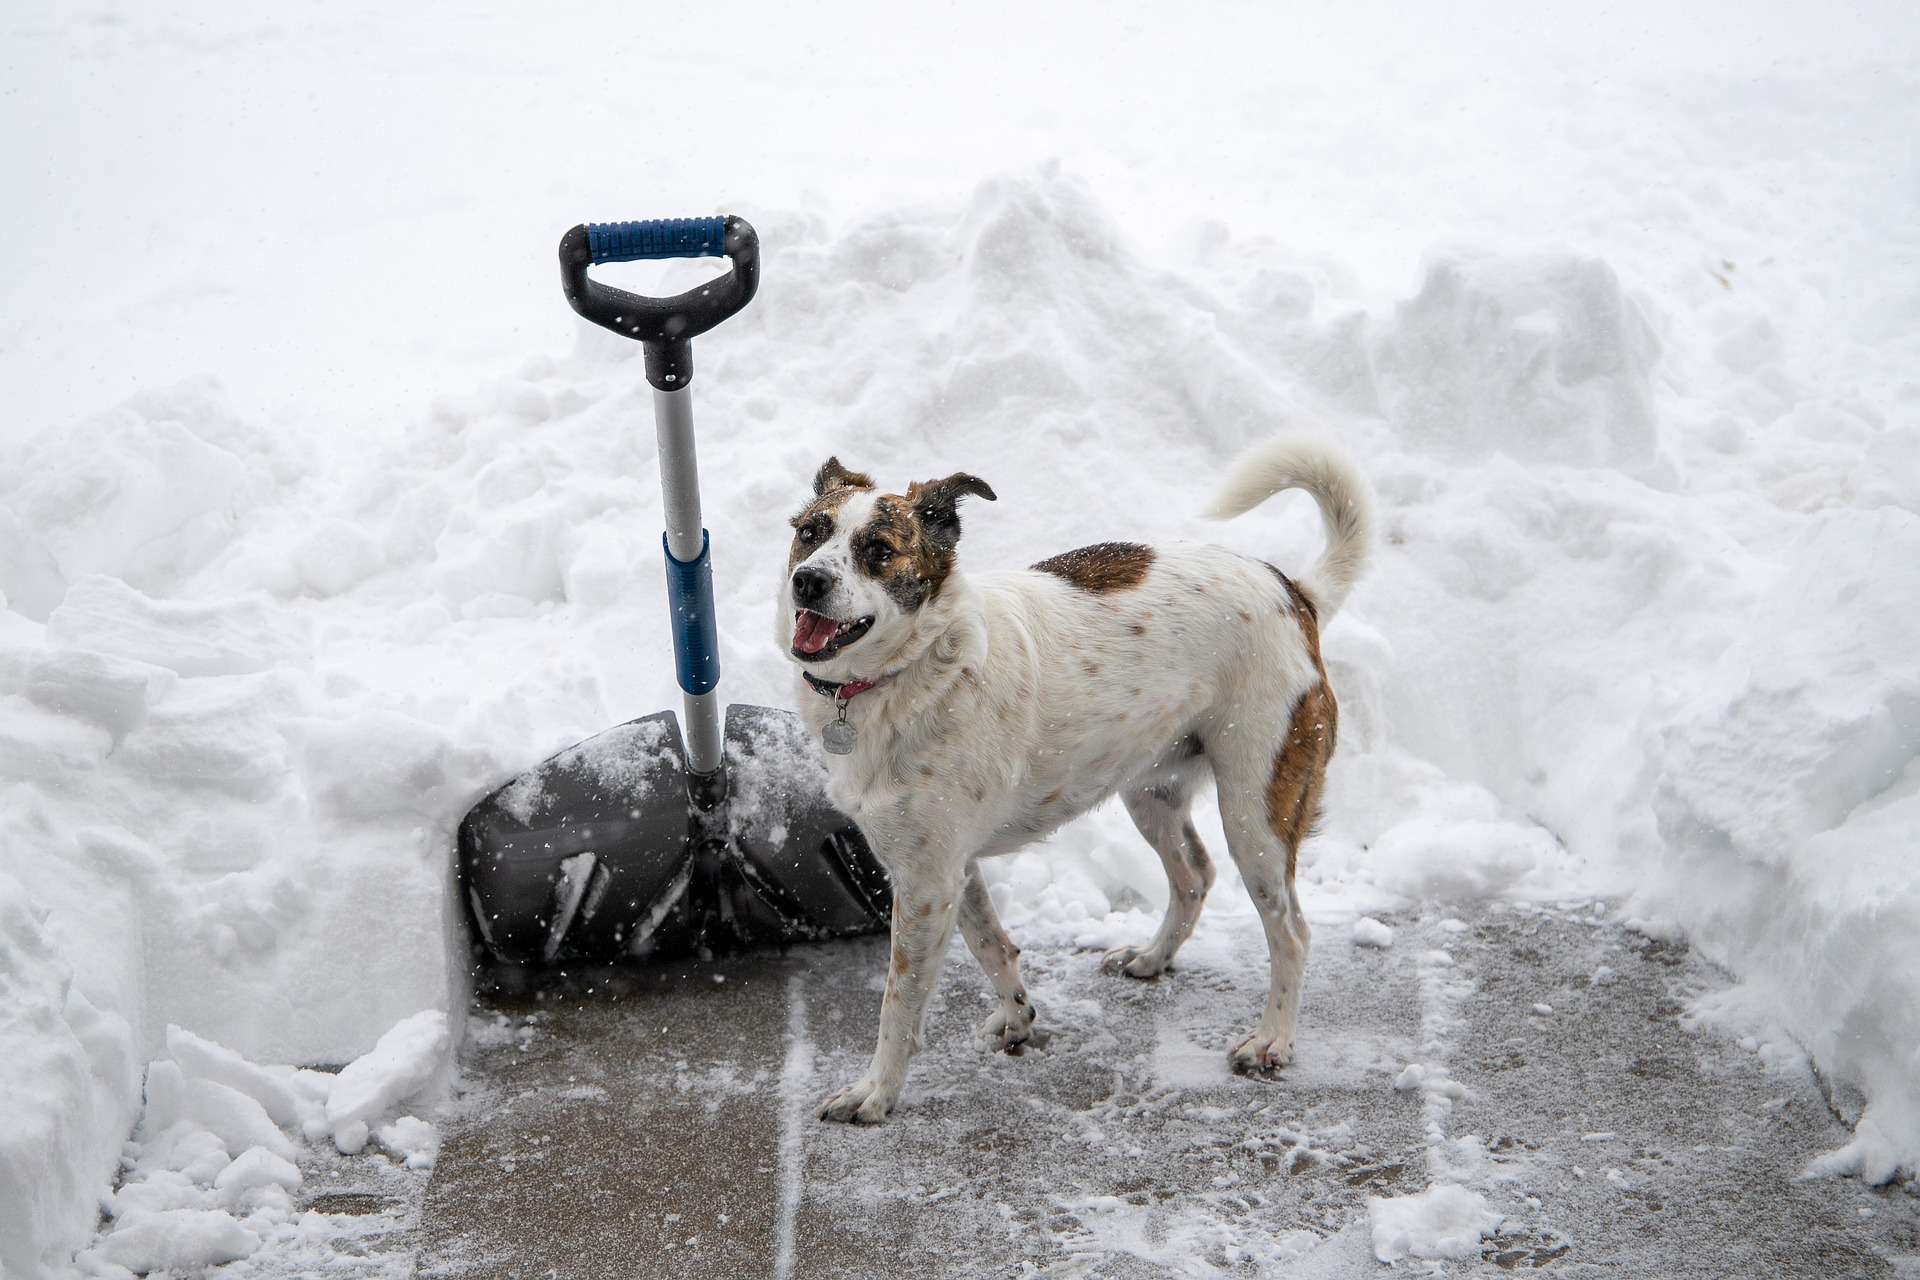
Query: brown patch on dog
pixel 1093 668
pixel 833 485
pixel 908 544
pixel 1295 596
pixel 832 475
pixel 1139 630
pixel 1052 795
pixel 1102 567
pixel 1300 768
pixel 900 962
pixel 892 548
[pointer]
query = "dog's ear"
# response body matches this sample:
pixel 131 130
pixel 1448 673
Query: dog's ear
pixel 832 475
pixel 936 503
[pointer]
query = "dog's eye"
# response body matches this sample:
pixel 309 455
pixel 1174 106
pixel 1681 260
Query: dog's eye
pixel 878 553
pixel 812 531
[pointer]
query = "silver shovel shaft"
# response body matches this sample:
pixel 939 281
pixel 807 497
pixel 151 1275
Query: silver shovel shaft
pixel 686 542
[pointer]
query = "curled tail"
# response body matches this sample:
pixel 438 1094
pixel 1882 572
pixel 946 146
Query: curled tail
pixel 1346 506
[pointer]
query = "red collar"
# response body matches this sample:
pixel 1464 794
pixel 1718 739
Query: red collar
pixel 842 692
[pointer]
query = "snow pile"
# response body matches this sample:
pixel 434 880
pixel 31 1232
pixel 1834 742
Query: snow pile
pixel 1640 619
pixel 68 1084
pixel 1444 1221
pixel 210 1174
pixel 1792 781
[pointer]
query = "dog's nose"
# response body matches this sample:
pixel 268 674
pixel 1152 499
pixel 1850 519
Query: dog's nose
pixel 811 585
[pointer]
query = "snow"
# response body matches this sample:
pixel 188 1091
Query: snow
pixel 1444 1221
pixel 399 1066
pixel 1368 932
pixel 295 566
pixel 209 1173
pixel 229 1115
pixel 253 1168
pixel 70 1091
pixel 275 1092
pixel 414 1141
pixel 177 1240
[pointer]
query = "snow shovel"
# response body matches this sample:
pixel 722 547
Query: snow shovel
pixel 639 841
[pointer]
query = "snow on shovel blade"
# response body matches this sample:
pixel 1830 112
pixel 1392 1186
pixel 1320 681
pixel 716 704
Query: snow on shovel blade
pixel 791 841
pixel 599 852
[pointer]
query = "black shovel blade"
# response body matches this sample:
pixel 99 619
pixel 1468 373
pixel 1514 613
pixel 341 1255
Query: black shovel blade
pixel 600 852
pixel 568 856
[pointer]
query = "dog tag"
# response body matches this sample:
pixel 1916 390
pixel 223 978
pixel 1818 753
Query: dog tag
pixel 839 736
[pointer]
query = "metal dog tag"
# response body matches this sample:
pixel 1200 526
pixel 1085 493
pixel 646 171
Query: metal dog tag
pixel 839 736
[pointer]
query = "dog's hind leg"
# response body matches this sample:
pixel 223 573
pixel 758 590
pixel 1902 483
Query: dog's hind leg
pixel 1007 1027
pixel 1160 811
pixel 1269 799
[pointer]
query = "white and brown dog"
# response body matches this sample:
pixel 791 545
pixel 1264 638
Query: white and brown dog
pixel 972 716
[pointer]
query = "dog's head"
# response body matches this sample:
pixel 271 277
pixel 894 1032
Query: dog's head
pixel 864 565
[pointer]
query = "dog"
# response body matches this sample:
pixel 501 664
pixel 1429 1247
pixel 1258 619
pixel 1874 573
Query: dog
pixel 969 717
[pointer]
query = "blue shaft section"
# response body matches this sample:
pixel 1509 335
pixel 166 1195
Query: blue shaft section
pixel 657 238
pixel 696 641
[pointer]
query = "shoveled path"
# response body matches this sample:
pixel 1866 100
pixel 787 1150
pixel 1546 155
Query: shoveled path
pixel 660 1123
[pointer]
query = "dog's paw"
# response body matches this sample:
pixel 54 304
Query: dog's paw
pixel 1135 962
pixel 1258 1056
pixel 862 1102
pixel 1006 1035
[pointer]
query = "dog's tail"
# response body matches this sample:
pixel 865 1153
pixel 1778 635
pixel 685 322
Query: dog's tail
pixel 1346 507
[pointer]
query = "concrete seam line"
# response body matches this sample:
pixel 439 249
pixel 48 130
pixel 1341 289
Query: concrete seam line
pixel 796 1077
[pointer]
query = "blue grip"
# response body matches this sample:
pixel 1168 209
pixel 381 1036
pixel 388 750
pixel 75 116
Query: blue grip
pixel 657 238
pixel 696 643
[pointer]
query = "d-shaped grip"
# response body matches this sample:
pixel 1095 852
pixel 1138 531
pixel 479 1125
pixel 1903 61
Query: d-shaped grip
pixel 663 325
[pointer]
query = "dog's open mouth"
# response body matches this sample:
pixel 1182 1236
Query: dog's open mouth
pixel 817 637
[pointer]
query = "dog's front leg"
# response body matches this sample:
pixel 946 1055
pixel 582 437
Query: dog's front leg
pixel 923 916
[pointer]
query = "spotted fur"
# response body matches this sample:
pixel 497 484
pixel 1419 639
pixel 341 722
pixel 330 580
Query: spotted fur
pixel 833 485
pixel 888 554
pixel 1014 702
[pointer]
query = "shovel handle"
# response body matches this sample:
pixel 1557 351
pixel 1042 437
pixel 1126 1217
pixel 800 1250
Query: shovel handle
pixel 665 326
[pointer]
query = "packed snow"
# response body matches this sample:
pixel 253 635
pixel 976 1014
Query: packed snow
pixel 314 529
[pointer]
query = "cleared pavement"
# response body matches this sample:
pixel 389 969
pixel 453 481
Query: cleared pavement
pixel 661 1122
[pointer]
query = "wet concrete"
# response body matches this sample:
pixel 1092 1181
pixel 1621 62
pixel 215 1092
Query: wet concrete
pixel 661 1123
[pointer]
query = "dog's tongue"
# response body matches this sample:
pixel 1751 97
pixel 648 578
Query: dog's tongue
pixel 811 632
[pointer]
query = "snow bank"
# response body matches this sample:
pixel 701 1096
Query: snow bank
pixel 1636 620
pixel 68 1084
pixel 1791 780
